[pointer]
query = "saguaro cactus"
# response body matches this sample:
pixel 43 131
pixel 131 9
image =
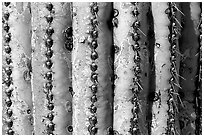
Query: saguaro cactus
pixel 91 55
pixel 102 68
pixel 17 99
pixel 164 116
pixel 131 67
pixel 51 45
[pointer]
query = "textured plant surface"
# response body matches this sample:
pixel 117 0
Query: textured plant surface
pixel 102 68
pixel 131 67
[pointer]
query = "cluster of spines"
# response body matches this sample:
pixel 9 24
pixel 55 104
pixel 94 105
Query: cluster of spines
pixel 115 20
pixel 116 48
pixel 171 12
pixel 93 66
pixel 115 24
pixel 68 39
pixel 8 71
pixel 134 127
pixel 50 126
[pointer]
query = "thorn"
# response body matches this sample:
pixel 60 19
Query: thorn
pixel 178 22
pixel 180 76
pixel 176 107
pixel 174 90
pixel 140 106
pixel 197 54
pixel 142 32
pixel 177 82
pixel 180 100
pixel 98 21
pixel 196 101
pixel 200 21
pixel 179 53
pixel 97 26
pixel 178 9
pixel 177 85
pixel 177 72
pixel 177 31
pixel 96 15
pixel 176 78
pixel 139 85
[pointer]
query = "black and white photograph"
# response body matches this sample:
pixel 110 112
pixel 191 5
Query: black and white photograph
pixel 101 68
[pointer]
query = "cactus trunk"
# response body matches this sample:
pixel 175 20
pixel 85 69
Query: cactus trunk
pixel 165 109
pixel 101 68
pixel 131 66
pixel 51 58
pixel 162 55
pixel 91 55
pixel 17 97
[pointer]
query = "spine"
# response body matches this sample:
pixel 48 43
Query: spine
pixel 17 107
pixel 101 68
pixel 92 68
pixel 189 67
pixel 131 67
pixel 175 20
pixel 162 55
pixel 52 45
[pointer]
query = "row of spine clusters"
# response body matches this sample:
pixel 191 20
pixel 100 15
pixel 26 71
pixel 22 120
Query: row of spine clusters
pixel 173 36
pixel 49 74
pixel 8 70
pixel 93 66
pixel 134 127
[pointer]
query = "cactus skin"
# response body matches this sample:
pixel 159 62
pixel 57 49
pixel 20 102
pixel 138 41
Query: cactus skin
pixel 20 113
pixel 175 20
pixel 124 65
pixel 122 104
pixel 62 70
pixel 60 104
pixel 81 72
pixel 196 16
pixel 162 66
pixel 111 80
pixel 189 47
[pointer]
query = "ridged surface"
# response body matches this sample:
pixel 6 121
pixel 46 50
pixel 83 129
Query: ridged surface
pixel 19 118
pixel 55 98
pixel 174 98
pixel 162 65
pixel 101 68
pixel 131 54
pixel 189 65
pixel 81 73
